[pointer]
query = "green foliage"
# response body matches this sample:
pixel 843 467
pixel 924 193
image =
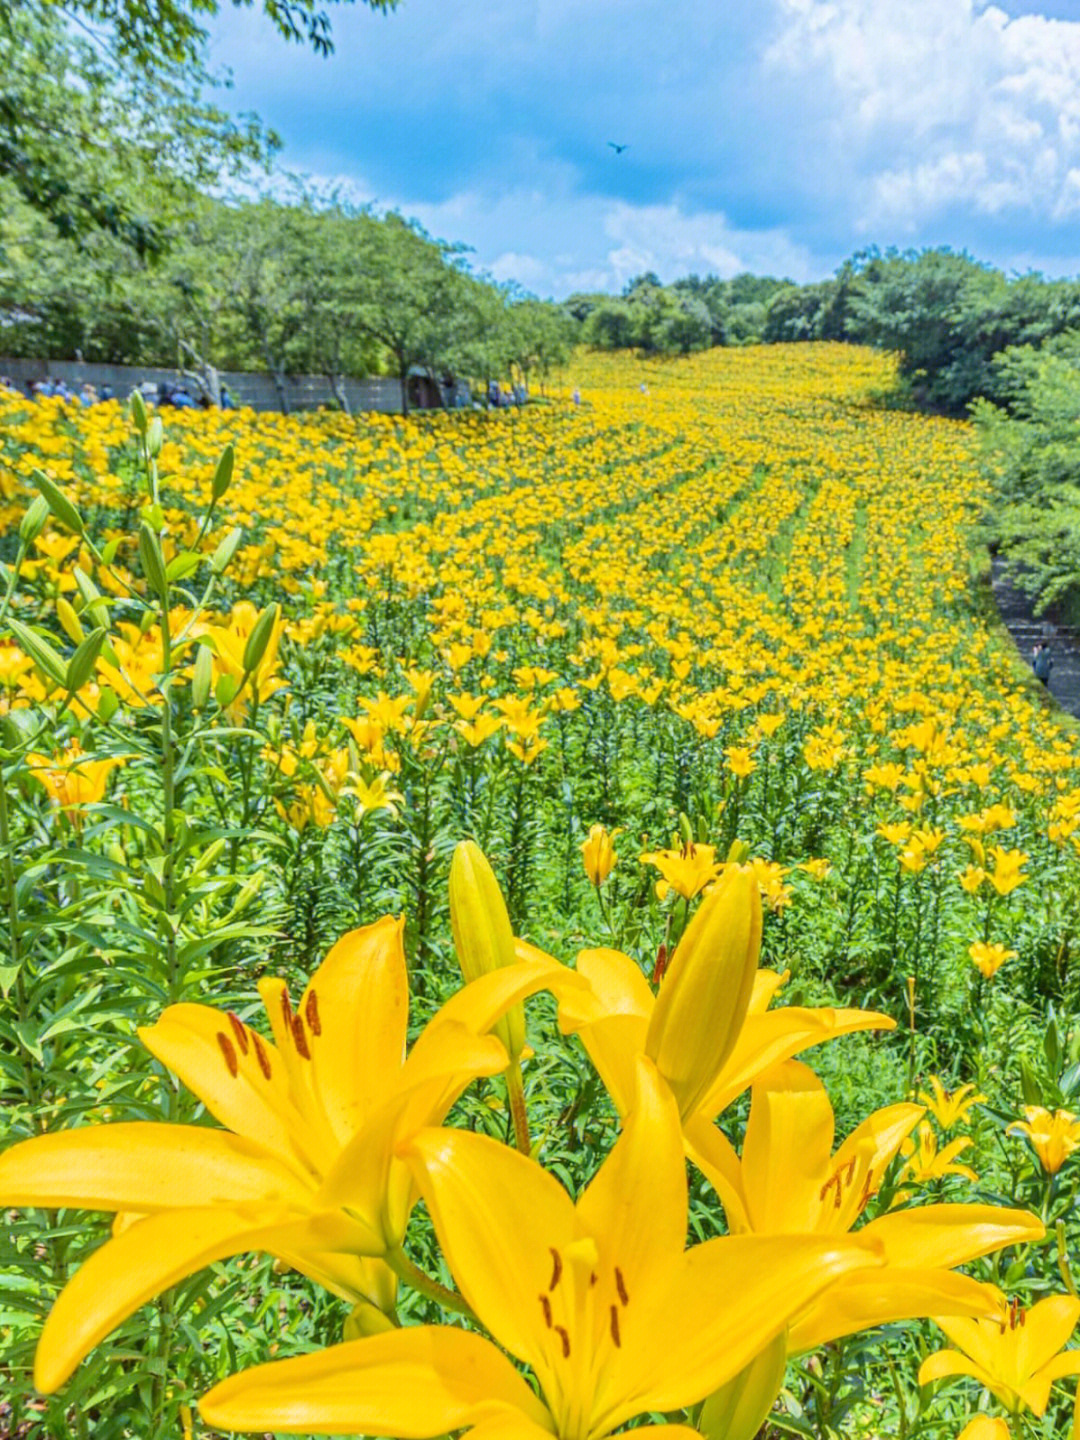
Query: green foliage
pixel 1033 450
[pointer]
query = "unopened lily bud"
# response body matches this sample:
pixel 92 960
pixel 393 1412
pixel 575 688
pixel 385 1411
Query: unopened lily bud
pixel 69 621
pixel 738 852
pixel 259 639
pixel 202 678
pixel 33 521
pixel 483 935
pixel 598 854
pixel 138 412
pixel 738 1410
pixel 706 992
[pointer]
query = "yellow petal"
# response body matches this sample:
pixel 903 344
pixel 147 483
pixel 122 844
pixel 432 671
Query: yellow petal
pixel 714 1155
pixel 768 1279
pixel 738 1409
pixel 786 1153
pixel 355 1011
pixel 130 1270
pixel 947 1235
pixel 636 1205
pixel 499 1217
pixel 512 1425
pixel 368 1177
pixel 985 1427
pixel 705 995
pixel 481 1003
pixel 145 1166
pixel 944 1364
pixel 483 935
pixel 858 1302
pixel 416 1383
pixel 613 1046
pixel 880 1136
pixel 1046 1328
pixel 247 1091
pixel 616 986
pixel 777 1035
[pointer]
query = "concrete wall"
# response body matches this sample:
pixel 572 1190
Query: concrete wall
pixel 303 392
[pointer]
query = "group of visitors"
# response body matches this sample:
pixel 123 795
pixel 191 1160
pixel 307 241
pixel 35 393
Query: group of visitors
pixel 180 397
pixel 49 388
pixel 162 394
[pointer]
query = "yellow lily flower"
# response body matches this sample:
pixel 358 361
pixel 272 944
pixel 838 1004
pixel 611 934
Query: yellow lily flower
pixel 926 1162
pixel 1053 1137
pixel 578 1292
pixel 710 1030
pixel 71 780
pixel 686 871
pixel 598 853
pixel 1017 1356
pixel 305 1167
pixel 789 1182
pixel 985 1427
pixel 988 957
pixel 949 1109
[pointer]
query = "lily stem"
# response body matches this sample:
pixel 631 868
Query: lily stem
pixel 421 1281
pixel 515 1089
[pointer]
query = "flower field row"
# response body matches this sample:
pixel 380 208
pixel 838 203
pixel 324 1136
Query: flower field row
pixel 714 634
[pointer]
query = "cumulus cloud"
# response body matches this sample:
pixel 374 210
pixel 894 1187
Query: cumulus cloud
pixel 946 104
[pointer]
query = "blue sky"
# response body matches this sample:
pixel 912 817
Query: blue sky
pixel 777 136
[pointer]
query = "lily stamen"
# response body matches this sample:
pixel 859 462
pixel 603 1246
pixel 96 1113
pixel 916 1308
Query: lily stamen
pixel 311 1014
pixel 228 1050
pixel 564 1338
pixel 620 1286
pixel 299 1038
pixel 615 1327
pixel 260 1054
pixel 556 1273
pixel 239 1029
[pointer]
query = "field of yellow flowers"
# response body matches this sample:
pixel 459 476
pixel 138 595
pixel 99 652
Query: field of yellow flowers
pixel 577 768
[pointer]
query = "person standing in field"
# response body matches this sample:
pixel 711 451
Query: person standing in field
pixel 1042 662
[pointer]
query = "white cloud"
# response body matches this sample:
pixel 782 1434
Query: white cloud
pixel 612 241
pixel 938 104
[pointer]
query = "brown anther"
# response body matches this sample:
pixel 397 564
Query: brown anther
pixel 565 1339
pixel 300 1038
pixel 286 1008
pixel 620 1286
pixel 260 1054
pixel 229 1052
pixel 615 1327
pixel 867 1191
pixel 545 1305
pixel 311 1013
pixel 660 967
pixel 850 1176
pixel 239 1029
pixel 556 1273
pixel 593 1279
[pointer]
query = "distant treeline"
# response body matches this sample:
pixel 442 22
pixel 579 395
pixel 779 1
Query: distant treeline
pixel 308 287
pixel 946 315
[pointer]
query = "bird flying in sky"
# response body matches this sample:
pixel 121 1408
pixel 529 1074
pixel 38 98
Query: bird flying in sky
pixel 618 148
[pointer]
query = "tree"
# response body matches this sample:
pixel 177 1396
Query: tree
pixel 95 144
pixel 407 295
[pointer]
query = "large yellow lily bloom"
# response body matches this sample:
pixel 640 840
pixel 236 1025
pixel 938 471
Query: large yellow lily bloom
pixel 789 1182
pixel 1017 1355
pixel 305 1168
pixel 709 1030
pixel 601 1299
